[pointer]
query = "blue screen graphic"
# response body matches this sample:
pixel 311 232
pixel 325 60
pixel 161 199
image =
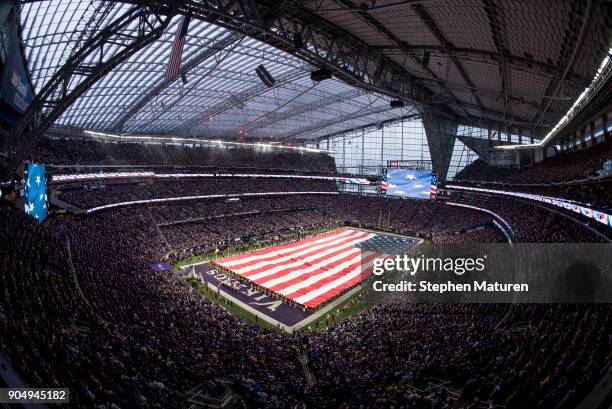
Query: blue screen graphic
pixel 36 192
pixel 408 183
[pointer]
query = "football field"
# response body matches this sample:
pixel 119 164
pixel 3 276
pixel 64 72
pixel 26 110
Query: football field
pixel 316 269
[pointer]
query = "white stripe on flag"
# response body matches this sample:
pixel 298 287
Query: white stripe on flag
pixel 273 253
pixel 336 283
pixel 313 267
pixel 293 258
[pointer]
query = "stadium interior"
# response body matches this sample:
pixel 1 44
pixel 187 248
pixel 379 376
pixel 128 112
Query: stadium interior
pixel 194 196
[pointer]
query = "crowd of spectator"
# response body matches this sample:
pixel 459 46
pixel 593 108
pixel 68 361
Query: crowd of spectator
pixel 94 153
pixel 595 194
pixel 402 355
pixel 97 318
pixel 563 167
pixel 535 223
pixel 100 194
pixel 126 335
pixel 81 306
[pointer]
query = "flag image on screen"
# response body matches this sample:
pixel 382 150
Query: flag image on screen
pixel 409 183
pixel 36 192
pixel 316 269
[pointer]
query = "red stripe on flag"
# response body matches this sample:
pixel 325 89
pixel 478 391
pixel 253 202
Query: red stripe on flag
pixel 326 280
pixel 293 257
pixel 270 250
pixel 289 270
pixel 350 254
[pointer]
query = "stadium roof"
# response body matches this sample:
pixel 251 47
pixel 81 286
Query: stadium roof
pixel 506 62
pixel 222 96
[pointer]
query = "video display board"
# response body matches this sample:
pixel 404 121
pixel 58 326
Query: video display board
pixel 409 183
pixel 35 191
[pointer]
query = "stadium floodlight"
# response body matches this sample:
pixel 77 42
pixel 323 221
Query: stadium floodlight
pixel 265 76
pixel 601 76
pixel 189 141
pixel 321 74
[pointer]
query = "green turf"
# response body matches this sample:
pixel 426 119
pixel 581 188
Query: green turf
pixel 355 304
pixel 230 306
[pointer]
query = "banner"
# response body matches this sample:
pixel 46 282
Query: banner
pixel 36 192
pixel 16 91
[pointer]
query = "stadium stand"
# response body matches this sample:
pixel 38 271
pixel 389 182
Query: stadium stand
pixel 136 313
pixel 563 167
pixel 145 144
pixel 60 151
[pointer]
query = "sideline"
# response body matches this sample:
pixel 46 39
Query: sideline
pixel 289 329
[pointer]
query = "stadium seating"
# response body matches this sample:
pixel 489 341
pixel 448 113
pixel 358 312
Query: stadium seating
pixel 160 337
pixel 127 335
pixel 563 167
pixel 94 153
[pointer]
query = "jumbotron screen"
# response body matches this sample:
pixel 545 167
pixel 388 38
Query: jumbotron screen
pixel 36 191
pixel 409 183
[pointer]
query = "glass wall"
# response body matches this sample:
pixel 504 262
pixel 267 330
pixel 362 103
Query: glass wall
pixel 462 156
pixel 365 151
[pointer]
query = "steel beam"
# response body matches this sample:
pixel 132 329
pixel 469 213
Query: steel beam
pixel 232 102
pixel 86 65
pixel 302 109
pixel 497 24
pixel 380 27
pixel 212 47
pixel 435 30
pixel 336 120
pixel 477 55
pixel 304 34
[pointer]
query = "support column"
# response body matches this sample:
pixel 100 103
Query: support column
pixel 382 145
pixel 441 134
pixel 362 151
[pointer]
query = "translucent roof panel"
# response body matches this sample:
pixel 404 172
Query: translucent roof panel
pixel 222 94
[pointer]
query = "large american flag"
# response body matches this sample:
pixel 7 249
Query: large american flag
pixel 434 187
pixel 316 269
pixel 174 63
pixel 383 181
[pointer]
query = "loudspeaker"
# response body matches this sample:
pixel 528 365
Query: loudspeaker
pixel 426 58
pixel 321 74
pixel 265 76
pixel 298 42
pixel 396 103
